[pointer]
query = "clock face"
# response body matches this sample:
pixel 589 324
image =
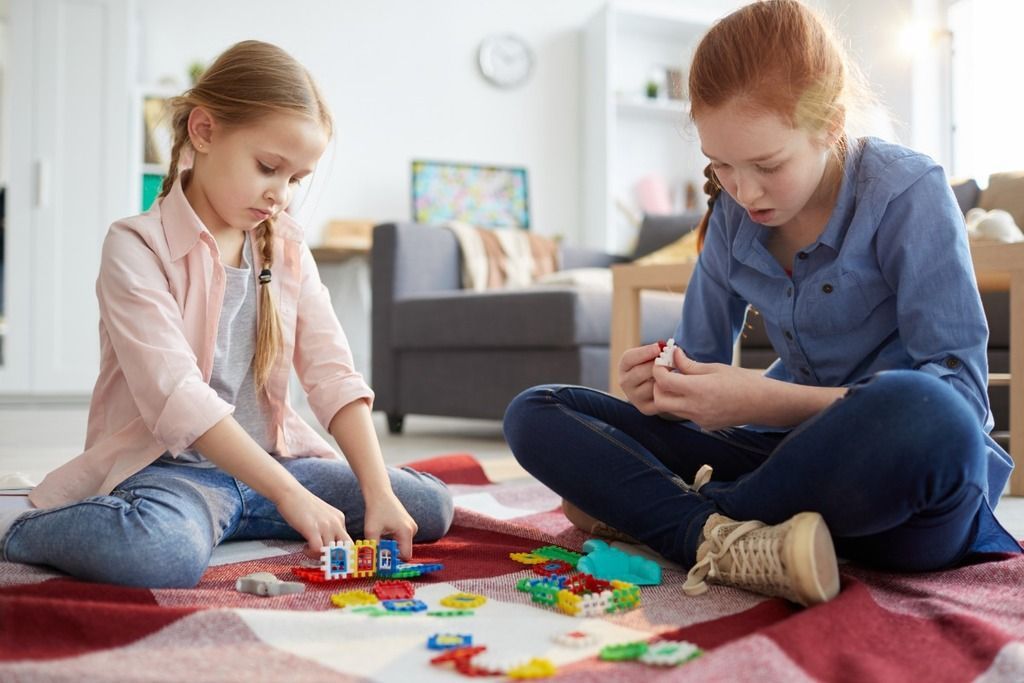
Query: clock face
pixel 505 60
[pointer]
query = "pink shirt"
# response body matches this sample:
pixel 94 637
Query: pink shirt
pixel 160 289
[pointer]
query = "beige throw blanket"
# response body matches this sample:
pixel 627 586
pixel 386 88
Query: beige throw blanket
pixel 504 257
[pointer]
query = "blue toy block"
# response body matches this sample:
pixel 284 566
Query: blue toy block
pixel 410 605
pixel 449 641
pixel 387 556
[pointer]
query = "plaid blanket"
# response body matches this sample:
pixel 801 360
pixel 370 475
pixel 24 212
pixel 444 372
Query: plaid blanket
pixel 961 625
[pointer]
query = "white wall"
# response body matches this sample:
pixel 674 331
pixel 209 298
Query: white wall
pixel 402 81
pixel 870 32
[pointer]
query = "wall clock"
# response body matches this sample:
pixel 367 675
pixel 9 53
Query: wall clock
pixel 505 60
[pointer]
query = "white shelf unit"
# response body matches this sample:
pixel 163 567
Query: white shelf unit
pixel 627 136
pixel 145 168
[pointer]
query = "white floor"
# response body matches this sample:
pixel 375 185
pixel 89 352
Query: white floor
pixel 35 439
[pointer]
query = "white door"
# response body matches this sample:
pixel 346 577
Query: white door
pixel 70 177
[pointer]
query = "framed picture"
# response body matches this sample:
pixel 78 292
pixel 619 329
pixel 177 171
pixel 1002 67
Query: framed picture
pixel 484 196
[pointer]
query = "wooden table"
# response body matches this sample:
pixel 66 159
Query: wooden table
pixel 999 267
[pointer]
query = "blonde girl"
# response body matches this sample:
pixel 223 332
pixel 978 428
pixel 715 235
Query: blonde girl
pixel 207 303
pixel 870 433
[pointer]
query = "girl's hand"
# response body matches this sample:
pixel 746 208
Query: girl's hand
pixel 386 516
pixel 712 395
pixel 636 377
pixel 318 522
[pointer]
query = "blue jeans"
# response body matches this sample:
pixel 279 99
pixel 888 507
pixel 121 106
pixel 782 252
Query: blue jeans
pixel 897 468
pixel 158 528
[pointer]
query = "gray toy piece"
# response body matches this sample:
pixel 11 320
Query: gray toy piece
pixel 265 583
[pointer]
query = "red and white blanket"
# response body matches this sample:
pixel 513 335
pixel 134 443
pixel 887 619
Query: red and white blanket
pixel 961 625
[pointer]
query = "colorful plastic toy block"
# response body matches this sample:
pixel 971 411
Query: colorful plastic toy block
pixel 362 559
pixel 410 570
pixel 553 552
pixel 576 639
pixel 537 667
pixel 528 558
pixel 463 600
pixel 623 652
pixel 666 354
pixel 353 599
pixel 372 611
pixel 553 568
pixel 393 590
pixel 462 659
pixel 448 641
pixel 670 653
pixel 405 605
pixel 581 594
pixel 387 556
pixel 452 613
pixel 266 584
pixel 606 562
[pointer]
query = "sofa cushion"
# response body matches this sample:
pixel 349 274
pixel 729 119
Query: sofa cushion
pixel 966 193
pixel 534 317
pixel 1005 191
pixel 659 231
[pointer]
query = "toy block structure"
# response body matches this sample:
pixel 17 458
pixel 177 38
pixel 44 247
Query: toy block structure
pixel 363 559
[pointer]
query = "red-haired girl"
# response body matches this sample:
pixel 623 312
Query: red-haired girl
pixel 870 433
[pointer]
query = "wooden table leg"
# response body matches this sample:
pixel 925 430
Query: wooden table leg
pixel 625 332
pixel 1017 381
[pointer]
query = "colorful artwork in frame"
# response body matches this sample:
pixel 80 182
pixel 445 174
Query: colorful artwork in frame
pixel 484 196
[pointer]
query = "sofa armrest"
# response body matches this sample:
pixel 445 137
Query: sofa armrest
pixel 405 259
pixel 583 257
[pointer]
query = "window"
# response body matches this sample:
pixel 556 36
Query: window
pixel 987 97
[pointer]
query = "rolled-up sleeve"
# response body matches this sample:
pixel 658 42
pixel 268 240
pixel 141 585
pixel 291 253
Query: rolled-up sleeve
pixel 712 313
pixel 323 358
pixel 147 332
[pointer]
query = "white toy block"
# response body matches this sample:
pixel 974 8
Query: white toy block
pixel 666 355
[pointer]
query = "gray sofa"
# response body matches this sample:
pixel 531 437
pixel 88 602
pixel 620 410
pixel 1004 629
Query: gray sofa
pixel 440 350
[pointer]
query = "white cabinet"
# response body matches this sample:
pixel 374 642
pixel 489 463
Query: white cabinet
pixel 626 135
pixel 70 170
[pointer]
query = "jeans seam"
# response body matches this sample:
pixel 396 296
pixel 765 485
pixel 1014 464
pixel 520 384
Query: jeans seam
pixel 674 478
pixel 32 514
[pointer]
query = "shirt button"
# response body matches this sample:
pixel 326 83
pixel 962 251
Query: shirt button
pixel 789 335
pixel 952 363
pixel 827 288
pixel 789 292
pixel 806 371
pixel 802 255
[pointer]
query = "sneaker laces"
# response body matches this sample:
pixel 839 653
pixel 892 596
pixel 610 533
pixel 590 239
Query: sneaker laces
pixel 702 477
pixel 754 552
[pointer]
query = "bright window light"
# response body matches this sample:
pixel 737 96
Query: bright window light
pixel 987 97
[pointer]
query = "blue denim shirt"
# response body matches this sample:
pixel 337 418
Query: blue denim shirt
pixel 889 284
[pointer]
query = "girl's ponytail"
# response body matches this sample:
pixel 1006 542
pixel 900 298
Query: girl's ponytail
pixel 712 188
pixel 179 127
pixel 268 326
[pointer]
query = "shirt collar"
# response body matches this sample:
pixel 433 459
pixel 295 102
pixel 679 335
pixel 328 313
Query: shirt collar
pixel 750 237
pixel 183 227
pixel 838 222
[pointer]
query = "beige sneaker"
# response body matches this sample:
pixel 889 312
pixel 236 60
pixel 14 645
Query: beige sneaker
pixel 794 560
pixel 593 526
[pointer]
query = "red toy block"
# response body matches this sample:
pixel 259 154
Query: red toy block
pixel 553 568
pixel 393 590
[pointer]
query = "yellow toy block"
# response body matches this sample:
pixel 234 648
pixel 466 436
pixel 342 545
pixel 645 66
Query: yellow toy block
pixel 353 599
pixel 463 600
pixel 528 558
